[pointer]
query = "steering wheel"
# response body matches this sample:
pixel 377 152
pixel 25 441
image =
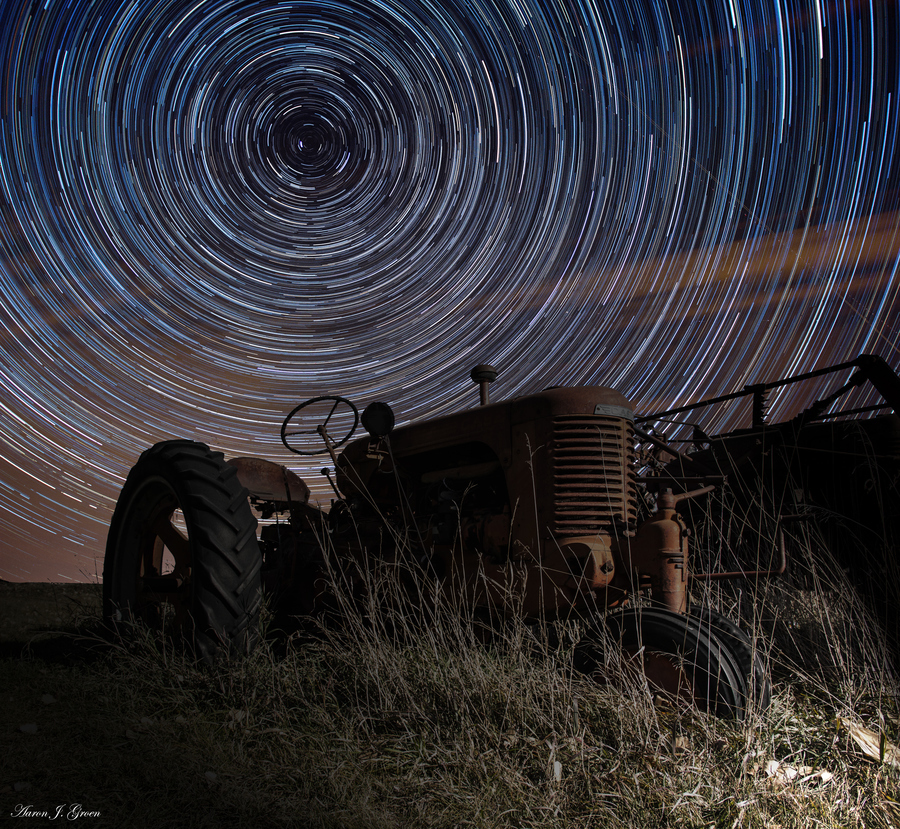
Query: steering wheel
pixel 322 427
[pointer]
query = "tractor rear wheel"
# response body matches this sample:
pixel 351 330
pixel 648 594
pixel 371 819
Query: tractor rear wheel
pixel 182 553
pixel 679 658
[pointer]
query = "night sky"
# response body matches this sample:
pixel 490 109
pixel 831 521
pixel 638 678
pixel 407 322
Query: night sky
pixel 214 210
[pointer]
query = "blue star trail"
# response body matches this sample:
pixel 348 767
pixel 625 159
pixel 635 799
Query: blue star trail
pixel 213 210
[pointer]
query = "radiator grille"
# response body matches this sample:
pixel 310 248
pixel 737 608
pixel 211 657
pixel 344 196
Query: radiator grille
pixel 591 461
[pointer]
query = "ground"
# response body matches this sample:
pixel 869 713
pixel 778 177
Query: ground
pixel 33 611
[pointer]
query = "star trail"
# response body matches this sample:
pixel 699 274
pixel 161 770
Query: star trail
pixel 213 210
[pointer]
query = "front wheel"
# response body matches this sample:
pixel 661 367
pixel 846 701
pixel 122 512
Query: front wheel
pixel 182 553
pixel 680 658
pixel 747 656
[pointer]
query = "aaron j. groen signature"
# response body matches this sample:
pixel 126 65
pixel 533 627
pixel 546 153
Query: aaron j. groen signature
pixel 67 812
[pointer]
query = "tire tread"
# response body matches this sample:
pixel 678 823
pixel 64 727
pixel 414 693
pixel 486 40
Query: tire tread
pixel 226 561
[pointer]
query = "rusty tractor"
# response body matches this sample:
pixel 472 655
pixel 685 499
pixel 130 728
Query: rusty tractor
pixel 539 507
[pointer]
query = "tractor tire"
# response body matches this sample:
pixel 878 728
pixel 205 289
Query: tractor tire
pixel 749 660
pixel 201 582
pixel 677 656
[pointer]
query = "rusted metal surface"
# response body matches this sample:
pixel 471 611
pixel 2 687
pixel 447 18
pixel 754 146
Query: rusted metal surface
pixel 592 477
pixel 270 481
pixel 659 554
pixel 544 482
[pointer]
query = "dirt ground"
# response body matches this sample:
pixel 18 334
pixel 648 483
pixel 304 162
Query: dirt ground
pixel 32 611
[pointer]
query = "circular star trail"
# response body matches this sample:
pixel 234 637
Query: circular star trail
pixel 213 210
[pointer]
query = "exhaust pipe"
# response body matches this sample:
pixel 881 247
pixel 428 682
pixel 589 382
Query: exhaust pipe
pixel 484 376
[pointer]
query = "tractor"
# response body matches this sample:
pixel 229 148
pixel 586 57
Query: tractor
pixel 540 507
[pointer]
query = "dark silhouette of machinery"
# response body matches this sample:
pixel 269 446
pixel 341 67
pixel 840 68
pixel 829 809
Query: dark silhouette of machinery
pixel 539 506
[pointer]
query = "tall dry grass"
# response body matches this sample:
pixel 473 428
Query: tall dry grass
pixel 400 714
